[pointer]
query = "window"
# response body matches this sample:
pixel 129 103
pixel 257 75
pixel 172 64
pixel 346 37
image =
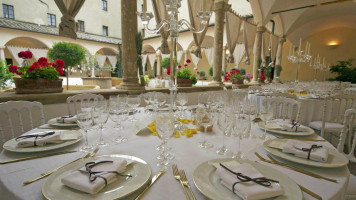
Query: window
pixel 81 26
pixel 51 19
pixel 105 30
pixel 8 11
pixel 104 5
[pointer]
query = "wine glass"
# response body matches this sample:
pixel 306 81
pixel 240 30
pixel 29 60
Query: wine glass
pixel 203 99
pixel 164 121
pixel 266 115
pixel 240 130
pixel 118 114
pixel 204 118
pixel 133 101
pixel 84 121
pixel 182 99
pixel 160 100
pixel 224 124
pixel 100 117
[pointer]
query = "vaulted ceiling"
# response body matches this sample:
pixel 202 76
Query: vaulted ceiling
pixel 302 18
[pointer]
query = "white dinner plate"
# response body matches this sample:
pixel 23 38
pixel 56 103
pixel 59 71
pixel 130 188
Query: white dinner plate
pixel 335 158
pixel 208 183
pixel 53 188
pixel 62 125
pixel 11 145
pixel 309 131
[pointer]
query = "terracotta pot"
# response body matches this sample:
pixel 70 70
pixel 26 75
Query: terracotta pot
pixel 184 82
pixel 39 85
pixel 237 81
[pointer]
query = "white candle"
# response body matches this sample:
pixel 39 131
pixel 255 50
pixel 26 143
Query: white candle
pixel 144 5
pixel 300 44
pixel 309 48
pixel 293 50
pixel 290 50
pixel 306 48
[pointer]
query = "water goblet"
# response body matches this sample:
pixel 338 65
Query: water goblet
pixel 182 99
pixel 118 115
pixel 133 101
pixel 84 121
pixel 164 121
pixel 100 117
pixel 224 124
pixel 205 118
pixel 266 115
pixel 240 130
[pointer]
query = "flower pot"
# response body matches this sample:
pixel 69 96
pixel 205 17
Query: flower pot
pixel 184 82
pixel 236 81
pixel 33 86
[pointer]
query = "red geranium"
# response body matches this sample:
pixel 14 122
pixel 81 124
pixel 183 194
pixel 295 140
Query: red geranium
pixel 43 62
pixel 60 63
pixel 179 66
pixel 13 69
pixel 185 65
pixel 28 54
pixel 188 60
pixel 197 72
pixel 34 66
pixel 25 54
pixel 169 70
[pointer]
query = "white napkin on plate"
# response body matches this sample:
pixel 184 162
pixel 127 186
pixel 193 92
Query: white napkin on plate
pixel 286 125
pixel 70 119
pixel 295 146
pixel 248 190
pixel 80 181
pixel 40 141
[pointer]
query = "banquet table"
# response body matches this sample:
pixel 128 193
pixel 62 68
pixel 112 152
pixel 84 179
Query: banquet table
pixel 188 155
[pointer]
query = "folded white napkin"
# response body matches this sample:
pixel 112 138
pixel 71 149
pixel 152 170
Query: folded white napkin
pixel 248 190
pixel 52 138
pixel 300 149
pixel 286 125
pixel 80 181
pixel 70 119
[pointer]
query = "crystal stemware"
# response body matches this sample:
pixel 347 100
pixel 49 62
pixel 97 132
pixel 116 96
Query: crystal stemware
pixel 84 121
pixel 164 121
pixel 240 130
pixel 224 124
pixel 100 117
pixel 118 114
pixel 266 115
pixel 204 118
pixel 133 101
pixel 182 99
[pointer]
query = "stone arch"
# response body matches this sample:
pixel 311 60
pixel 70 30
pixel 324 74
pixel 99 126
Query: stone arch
pixel 207 43
pixel 108 51
pixel 26 42
pixel 148 49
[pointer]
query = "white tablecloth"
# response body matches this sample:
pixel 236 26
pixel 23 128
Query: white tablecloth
pixel 187 155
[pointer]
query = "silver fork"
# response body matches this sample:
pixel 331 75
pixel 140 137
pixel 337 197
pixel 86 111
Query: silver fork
pixel 177 176
pixel 185 182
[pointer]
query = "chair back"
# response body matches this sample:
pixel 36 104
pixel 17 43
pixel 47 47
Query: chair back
pixel 18 117
pixel 351 91
pixel 347 132
pixel 73 102
pixel 283 108
pixel 255 88
pixel 281 94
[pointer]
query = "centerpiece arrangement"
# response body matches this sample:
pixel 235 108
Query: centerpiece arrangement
pixel 185 78
pixel 41 77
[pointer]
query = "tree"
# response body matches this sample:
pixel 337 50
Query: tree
pixel 345 71
pixel 118 70
pixel 71 54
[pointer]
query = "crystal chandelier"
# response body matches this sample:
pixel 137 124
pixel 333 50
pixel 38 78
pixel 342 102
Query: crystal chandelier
pixel 300 57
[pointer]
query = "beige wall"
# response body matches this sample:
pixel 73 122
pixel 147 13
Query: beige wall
pixel 346 49
pixel 91 13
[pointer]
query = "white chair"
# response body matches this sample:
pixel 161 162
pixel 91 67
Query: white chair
pixel 18 117
pixel 351 91
pixel 333 114
pixel 254 89
pixel 73 100
pixel 283 108
pixel 345 137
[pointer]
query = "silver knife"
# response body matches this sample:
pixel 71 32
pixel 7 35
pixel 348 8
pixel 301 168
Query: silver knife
pixel 154 179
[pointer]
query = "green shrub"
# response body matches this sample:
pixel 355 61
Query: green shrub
pixel 345 71
pixel 5 75
pixel 211 71
pixel 278 69
pixel 71 54
pixel 201 73
pixel 166 62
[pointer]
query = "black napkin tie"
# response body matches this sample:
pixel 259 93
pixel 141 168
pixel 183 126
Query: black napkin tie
pixel 95 174
pixel 296 125
pixel 243 178
pixel 309 150
pixel 35 136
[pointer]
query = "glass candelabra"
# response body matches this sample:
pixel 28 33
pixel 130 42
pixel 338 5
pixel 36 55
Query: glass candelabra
pixel 173 25
pixel 299 58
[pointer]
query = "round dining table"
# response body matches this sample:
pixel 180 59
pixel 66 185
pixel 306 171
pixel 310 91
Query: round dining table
pixel 188 156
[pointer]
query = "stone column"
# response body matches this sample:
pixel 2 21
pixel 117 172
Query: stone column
pixel 2 54
pixel 220 7
pixel 257 53
pixel 129 53
pixel 278 58
pixel 158 67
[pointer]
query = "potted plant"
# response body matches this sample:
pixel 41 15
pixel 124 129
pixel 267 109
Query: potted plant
pixel 201 74
pixel 235 76
pixel 5 75
pixel 41 77
pixel 185 78
pixel 278 69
